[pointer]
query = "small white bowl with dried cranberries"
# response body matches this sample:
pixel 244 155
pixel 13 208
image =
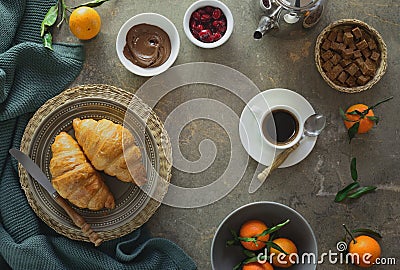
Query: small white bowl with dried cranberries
pixel 208 23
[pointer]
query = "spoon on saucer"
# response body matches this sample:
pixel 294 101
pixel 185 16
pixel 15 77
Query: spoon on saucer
pixel 313 126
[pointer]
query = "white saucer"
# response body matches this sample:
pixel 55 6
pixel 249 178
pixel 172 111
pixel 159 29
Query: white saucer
pixel 251 136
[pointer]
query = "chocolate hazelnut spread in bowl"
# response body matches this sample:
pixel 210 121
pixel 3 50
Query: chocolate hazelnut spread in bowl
pixel 148 44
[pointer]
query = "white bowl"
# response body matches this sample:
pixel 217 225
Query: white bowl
pixel 204 3
pixel 152 19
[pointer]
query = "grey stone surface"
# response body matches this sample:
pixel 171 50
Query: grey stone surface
pixel 309 186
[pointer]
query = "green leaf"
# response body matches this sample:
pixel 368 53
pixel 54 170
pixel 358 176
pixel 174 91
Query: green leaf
pixel 250 260
pixel 273 229
pixel 353 130
pixel 92 4
pixel 343 114
pixel 248 253
pixel 374 119
pixel 48 41
pixel 49 19
pixel 361 192
pixel 237 267
pixel 356 112
pixel 353 169
pixel 271 244
pixel 367 231
pixel 235 239
pixel 342 194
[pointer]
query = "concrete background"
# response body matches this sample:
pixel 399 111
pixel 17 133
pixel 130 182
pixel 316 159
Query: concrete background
pixel 309 186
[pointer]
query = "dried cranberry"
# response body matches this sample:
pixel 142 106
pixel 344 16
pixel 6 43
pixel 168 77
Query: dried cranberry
pixel 201 11
pixel 222 29
pixel 217 36
pixel 205 34
pixel 198 27
pixel 205 18
pixel 196 16
pixel 216 14
pixel 209 9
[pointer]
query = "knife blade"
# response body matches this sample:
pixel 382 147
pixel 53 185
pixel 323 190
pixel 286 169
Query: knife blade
pixel 35 172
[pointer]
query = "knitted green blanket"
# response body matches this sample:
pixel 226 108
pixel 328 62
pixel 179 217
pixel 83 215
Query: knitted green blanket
pixel 30 75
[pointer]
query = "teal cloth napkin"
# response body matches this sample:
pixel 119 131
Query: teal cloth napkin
pixel 30 75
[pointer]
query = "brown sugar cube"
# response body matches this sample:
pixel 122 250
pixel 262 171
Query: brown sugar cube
pixel 358 74
pixel 367 69
pixel 342 47
pixel 336 70
pixel 357 32
pixel 366 52
pixel 351 81
pixel 352 46
pixel 362 45
pixel 334 46
pixel 339 37
pixel 372 44
pixel 362 80
pixel 327 55
pixel 327 66
pixel 375 56
pixel 342 77
pixel 332 35
pixel 326 45
pixel 336 59
pixel 370 63
pixel 357 54
pixel 352 69
pixel 359 61
pixel 347 53
pixel 345 62
pixel 348 38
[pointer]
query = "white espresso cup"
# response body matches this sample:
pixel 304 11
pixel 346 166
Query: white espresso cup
pixel 281 126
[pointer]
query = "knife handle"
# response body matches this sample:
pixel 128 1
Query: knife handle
pixel 79 221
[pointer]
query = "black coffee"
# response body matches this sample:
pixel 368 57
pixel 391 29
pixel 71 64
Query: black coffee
pixel 280 127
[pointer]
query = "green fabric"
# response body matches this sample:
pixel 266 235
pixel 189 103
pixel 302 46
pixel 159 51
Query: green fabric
pixel 30 75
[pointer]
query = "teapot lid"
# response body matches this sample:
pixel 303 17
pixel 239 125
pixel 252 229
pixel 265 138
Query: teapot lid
pixel 297 4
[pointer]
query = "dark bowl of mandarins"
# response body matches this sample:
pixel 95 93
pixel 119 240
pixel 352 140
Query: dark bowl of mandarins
pixel 264 235
pixel 350 55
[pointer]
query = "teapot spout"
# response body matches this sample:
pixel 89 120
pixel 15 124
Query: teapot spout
pixel 267 23
pixel 264 26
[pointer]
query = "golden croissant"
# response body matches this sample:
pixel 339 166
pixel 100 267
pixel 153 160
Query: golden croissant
pixel 102 143
pixel 74 178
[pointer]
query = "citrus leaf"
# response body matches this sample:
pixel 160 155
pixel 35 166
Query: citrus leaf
pixel 361 192
pixel 92 4
pixel 367 231
pixel 49 19
pixel 248 253
pixel 48 41
pixel 374 119
pixel 273 229
pixel 353 169
pixel 356 112
pixel 250 260
pixel 342 194
pixel 353 130
pixel 343 114
pixel 237 267
pixel 271 244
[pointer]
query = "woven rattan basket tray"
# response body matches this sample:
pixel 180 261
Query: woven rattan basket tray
pixel 134 205
pixel 381 47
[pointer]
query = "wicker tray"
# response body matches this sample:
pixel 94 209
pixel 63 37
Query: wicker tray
pixel 381 45
pixel 134 206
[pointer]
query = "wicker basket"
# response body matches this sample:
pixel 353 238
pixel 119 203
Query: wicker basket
pixel 381 69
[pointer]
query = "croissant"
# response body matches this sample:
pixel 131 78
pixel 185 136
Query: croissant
pixel 74 178
pixel 102 143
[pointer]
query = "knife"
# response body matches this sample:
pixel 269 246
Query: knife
pixel 42 179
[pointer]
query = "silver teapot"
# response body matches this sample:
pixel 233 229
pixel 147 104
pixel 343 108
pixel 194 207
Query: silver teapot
pixel 289 18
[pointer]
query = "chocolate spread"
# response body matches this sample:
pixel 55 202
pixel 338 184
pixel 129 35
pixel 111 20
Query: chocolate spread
pixel 147 45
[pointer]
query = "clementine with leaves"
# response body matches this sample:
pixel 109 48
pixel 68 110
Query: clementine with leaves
pixel 254 229
pixel 85 23
pixel 367 248
pixel 360 118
